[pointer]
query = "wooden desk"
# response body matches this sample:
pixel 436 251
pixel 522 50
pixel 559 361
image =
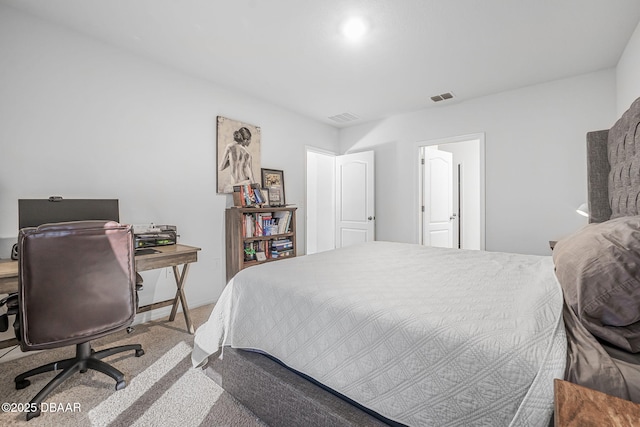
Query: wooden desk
pixel 8 276
pixel 168 256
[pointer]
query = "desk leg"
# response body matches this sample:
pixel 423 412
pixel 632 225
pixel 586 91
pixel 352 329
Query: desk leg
pixel 180 297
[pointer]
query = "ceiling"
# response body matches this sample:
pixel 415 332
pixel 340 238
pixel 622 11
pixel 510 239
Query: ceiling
pixel 292 53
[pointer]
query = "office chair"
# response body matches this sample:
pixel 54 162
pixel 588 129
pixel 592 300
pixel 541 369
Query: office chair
pixel 76 283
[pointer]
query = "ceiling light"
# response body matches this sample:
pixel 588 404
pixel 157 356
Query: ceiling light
pixel 354 28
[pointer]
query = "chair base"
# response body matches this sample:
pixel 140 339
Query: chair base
pixel 86 358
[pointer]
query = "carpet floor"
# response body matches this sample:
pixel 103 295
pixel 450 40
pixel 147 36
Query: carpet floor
pixel 162 387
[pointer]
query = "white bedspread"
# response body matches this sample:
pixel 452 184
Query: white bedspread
pixel 423 336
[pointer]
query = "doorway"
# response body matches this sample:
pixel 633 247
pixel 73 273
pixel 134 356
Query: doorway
pixel 340 199
pixel 320 201
pixel 451 192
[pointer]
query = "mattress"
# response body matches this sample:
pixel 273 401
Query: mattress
pixel 420 335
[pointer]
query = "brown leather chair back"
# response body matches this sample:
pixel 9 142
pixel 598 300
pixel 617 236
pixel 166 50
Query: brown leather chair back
pixel 76 282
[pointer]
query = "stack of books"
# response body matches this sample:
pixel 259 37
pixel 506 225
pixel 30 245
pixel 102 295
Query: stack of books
pixel 281 248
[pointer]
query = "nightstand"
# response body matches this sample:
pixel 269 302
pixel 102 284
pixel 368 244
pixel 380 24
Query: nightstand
pixel 577 406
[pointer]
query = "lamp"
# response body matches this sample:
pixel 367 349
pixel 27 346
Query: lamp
pixel 583 210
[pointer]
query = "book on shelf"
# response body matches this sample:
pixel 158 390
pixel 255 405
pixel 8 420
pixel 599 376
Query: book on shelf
pixel 264 224
pixel 247 195
pixel 259 226
pixel 282 254
pixel 281 241
pixel 257 194
pixel 238 197
pixel 248 226
pixel 281 244
pixel 284 219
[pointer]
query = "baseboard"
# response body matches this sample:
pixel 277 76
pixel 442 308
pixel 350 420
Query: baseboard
pixel 159 313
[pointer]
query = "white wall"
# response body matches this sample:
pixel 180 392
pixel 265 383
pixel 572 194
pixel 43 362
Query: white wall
pixel 82 119
pixel 535 158
pixel 628 72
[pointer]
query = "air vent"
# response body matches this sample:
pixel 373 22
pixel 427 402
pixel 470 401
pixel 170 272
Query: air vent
pixel 344 118
pixel 442 97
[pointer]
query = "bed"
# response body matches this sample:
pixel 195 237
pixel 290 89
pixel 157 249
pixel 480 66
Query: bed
pixel 401 334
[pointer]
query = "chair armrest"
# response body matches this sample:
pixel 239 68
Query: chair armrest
pixel 11 301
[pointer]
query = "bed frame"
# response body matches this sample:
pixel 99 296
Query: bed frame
pixel 613 168
pixel 280 396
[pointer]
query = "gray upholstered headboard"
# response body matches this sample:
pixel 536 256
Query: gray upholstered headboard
pixel 613 168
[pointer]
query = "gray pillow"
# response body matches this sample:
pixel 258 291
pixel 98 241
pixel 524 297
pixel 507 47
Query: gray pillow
pixel 599 271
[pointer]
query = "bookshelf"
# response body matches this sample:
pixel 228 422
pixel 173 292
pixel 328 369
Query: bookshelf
pixel 256 235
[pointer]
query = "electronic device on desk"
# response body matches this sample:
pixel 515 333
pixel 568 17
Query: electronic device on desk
pixel 35 212
pixel 151 235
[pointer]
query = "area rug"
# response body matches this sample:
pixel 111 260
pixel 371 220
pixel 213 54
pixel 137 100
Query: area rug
pixel 162 387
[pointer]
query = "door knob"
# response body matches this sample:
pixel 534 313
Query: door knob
pixel 371 218
pixel 452 217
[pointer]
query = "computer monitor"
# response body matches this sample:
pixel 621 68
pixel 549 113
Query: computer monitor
pixel 34 212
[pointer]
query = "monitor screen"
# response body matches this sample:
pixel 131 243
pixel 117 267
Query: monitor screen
pixel 34 212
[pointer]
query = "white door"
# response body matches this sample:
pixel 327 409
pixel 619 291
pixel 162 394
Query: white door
pixel 437 206
pixel 355 216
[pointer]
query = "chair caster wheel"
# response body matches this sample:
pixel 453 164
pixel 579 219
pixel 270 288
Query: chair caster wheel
pixel 22 384
pixel 33 414
pixel 139 353
pixel 121 384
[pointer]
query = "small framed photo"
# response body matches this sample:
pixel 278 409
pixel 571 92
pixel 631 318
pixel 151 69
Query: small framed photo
pixel 273 182
pixel 275 196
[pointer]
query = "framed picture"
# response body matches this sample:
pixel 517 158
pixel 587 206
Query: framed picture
pixel 238 154
pixel 273 183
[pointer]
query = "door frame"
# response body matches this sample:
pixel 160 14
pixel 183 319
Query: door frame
pixel 461 138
